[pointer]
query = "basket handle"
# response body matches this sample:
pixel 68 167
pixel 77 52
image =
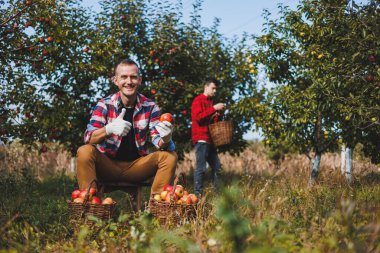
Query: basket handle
pixel 180 177
pixel 87 196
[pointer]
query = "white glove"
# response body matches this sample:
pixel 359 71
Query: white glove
pixel 119 126
pixel 165 130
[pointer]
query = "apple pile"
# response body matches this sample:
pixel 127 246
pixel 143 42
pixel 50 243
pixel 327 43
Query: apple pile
pixel 178 196
pixel 78 196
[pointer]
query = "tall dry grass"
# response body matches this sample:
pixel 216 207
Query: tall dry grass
pixel 253 160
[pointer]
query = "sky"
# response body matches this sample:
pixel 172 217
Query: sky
pixel 236 17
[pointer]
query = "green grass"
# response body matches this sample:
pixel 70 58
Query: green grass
pixel 251 213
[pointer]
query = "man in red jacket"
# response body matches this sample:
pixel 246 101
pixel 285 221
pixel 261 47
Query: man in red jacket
pixel 203 112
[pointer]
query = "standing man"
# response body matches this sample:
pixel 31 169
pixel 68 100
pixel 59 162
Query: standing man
pixel 117 135
pixel 203 112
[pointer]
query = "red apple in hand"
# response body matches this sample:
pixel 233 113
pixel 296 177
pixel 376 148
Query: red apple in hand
pixel 166 117
pixel 75 194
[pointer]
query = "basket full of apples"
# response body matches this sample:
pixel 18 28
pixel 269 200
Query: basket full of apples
pixel 174 205
pixel 87 202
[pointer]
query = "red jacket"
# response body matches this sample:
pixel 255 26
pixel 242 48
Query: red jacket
pixel 201 111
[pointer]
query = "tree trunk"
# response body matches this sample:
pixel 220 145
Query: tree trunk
pixel 348 171
pixel 315 165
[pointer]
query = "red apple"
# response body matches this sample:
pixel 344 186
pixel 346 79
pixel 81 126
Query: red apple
pixel 92 191
pixel 168 188
pixel 27 24
pixel 179 190
pixel 166 117
pixel 194 198
pixel 151 52
pixel 370 78
pixel 47 20
pixel 44 52
pixel 96 200
pixel 123 17
pixel 28 2
pixel 41 40
pixel 75 194
pixel 186 199
pixel 153 91
pixel 31 48
pixel 86 50
pixel 371 58
pixel 83 194
pixel 50 38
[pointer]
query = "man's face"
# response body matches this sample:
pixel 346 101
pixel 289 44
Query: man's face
pixel 127 79
pixel 210 90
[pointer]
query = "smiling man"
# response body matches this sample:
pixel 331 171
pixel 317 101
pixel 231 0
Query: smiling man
pixel 116 137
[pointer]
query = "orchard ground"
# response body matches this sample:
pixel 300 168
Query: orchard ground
pixel 263 207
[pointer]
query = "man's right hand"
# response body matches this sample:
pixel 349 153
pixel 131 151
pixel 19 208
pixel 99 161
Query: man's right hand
pixel 119 126
pixel 219 107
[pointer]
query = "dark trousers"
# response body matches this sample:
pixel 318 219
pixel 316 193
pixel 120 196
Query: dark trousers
pixel 205 153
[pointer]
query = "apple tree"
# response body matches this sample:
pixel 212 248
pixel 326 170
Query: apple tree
pixel 50 90
pixel 324 78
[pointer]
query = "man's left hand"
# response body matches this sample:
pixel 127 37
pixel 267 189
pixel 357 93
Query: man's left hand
pixel 165 130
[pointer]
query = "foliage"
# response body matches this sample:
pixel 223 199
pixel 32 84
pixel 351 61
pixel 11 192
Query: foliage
pixel 49 89
pixel 260 213
pixel 323 59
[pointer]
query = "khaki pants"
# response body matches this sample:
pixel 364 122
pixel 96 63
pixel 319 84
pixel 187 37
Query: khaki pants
pixel 92 164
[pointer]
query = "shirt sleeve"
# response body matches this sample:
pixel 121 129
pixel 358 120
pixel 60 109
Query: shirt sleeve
pixel 98 120
pixel 201 113
pixel 153 121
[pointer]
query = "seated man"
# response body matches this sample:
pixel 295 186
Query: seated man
pixel 117 136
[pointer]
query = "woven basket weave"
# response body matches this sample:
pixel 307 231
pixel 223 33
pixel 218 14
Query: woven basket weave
pixel 221 133
pixel 78 211
pixel 172 214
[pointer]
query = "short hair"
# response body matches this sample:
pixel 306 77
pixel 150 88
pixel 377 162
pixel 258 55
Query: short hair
pixel 126 62
pixel 210 80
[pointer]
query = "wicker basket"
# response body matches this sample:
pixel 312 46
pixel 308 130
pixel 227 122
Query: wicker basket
pixel 172 214
pixel 221 133
pixel 79 211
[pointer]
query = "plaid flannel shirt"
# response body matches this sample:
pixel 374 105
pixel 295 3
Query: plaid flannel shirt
pixel 146 116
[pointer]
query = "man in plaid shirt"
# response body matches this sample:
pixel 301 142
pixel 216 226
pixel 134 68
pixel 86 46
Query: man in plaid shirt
pixel 203 112
pixel 116 138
